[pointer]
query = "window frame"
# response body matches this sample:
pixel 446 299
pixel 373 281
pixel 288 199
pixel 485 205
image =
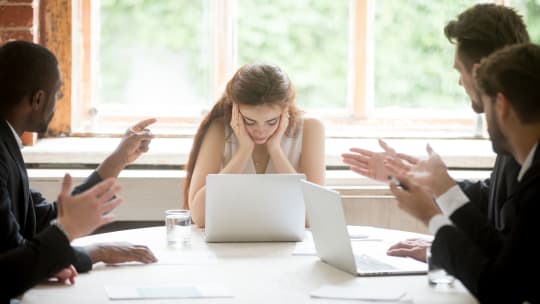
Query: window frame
pixel 77 54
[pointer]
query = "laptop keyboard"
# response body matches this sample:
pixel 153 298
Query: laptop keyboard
pixel 367 263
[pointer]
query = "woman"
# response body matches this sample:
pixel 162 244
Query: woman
pixel 254 128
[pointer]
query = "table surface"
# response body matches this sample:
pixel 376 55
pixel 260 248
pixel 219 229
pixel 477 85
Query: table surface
pixel 253 272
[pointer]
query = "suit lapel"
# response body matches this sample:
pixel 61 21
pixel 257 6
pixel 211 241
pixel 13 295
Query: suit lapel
pixel 13 148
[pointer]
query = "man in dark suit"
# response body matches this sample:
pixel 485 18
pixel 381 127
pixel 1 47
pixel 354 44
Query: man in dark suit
pixel 29 87
pixel 50 250
pixel 477 32
pixel 496 267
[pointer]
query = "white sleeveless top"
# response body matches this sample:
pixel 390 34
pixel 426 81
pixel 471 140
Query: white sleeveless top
pixel 292 147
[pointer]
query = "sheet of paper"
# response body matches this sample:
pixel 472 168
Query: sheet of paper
pixel 129 292
pixel 359 292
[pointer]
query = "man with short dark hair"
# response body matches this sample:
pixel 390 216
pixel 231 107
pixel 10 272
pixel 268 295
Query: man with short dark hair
pixel 476 32
pixel 30 83
pixel 50 250
pixel 496 267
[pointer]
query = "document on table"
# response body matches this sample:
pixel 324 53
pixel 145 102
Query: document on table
pixel 361 293
pixel 130 292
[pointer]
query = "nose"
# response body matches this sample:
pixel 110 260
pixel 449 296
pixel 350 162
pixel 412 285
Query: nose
pixel 460 81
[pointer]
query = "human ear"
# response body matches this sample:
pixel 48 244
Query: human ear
pixel 502 107
pixel 38 100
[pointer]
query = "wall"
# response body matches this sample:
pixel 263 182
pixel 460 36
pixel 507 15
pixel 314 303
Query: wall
pixel 17 20
pixel 148 193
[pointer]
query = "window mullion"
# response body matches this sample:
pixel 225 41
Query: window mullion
pixel 223 44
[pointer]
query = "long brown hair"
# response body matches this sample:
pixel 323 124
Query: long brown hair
pixel 253 84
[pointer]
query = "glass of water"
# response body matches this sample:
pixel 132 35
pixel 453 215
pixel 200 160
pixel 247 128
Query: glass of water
pixel 436 274
pixel 178 223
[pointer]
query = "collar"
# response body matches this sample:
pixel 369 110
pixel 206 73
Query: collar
pixel 17 137
pixel 527 163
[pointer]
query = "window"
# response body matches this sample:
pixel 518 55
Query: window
pixel 413 59
pixel 530 10
pixel 366 66
pixel 300 36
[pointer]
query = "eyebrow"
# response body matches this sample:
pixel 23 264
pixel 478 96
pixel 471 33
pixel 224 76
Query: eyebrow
pixel 245 117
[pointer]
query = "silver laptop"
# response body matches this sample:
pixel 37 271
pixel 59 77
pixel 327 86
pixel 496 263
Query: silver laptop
pixel 254 208
pixel 332 242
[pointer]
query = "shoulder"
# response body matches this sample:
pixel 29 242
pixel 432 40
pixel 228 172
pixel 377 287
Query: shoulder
pixel 313 127
pixel 216 132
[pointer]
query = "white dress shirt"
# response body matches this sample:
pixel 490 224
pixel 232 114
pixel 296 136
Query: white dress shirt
pixel 455 198
pixel 17 137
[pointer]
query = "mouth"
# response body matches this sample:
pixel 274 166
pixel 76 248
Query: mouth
pixel 259 140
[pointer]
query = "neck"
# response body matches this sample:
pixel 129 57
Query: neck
pixel 522 141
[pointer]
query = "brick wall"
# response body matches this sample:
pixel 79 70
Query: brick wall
pixel 18 20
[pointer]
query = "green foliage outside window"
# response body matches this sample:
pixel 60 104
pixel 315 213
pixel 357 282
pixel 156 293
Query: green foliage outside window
pixel 308 39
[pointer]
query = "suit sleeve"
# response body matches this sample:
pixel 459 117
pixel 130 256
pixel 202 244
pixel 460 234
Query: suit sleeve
pixel 477 192
pixel 507 275
pixel 37 260
pixel 45 212
pixel 10 236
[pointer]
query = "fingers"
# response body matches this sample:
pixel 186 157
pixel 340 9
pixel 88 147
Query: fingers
pixel 110 205
pixel 355 159
pixel 99 189
pixel 141 125
pixel 429 150
pixel 410 159
pixel 386 147
pixel 108 193
pixel 362 151
pixel 395 165
pixel 74 274
pixel 145 254
pixel 64 192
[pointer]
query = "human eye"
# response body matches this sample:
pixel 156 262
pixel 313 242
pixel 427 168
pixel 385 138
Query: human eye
pixel 272 122
pixel 249 122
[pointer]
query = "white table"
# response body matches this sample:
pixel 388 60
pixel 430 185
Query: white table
pixel 254 272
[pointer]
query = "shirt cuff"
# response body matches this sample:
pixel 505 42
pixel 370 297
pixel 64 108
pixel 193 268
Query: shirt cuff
pixel 436 222
pixel 452 200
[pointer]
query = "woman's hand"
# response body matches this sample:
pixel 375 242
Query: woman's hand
pixel 274 142
pixel 239 129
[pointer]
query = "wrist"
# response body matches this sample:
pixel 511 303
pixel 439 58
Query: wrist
pixel 443 185
pixel 429 215
pixel 111 166
pixel 95 253
pixel 275 152
pixel 66 229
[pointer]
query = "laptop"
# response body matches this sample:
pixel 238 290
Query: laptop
pixel 254 208
pixel 332 242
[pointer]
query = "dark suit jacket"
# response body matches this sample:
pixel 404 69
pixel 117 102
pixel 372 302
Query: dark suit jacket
pixel 24 212
pixel 36 260
pixel 488 207
pixel 490 195
pixel 498 267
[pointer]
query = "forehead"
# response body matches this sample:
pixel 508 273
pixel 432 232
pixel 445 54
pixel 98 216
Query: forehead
pixel 260 112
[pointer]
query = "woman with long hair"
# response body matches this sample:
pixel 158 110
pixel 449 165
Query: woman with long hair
pixel 254 128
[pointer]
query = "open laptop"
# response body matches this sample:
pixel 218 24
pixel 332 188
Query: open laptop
pixel 254 208
pixel 332 242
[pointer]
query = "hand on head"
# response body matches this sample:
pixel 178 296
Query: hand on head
pixel 372 164
pixel 274 142
pixel 239 129
pixel 81 214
